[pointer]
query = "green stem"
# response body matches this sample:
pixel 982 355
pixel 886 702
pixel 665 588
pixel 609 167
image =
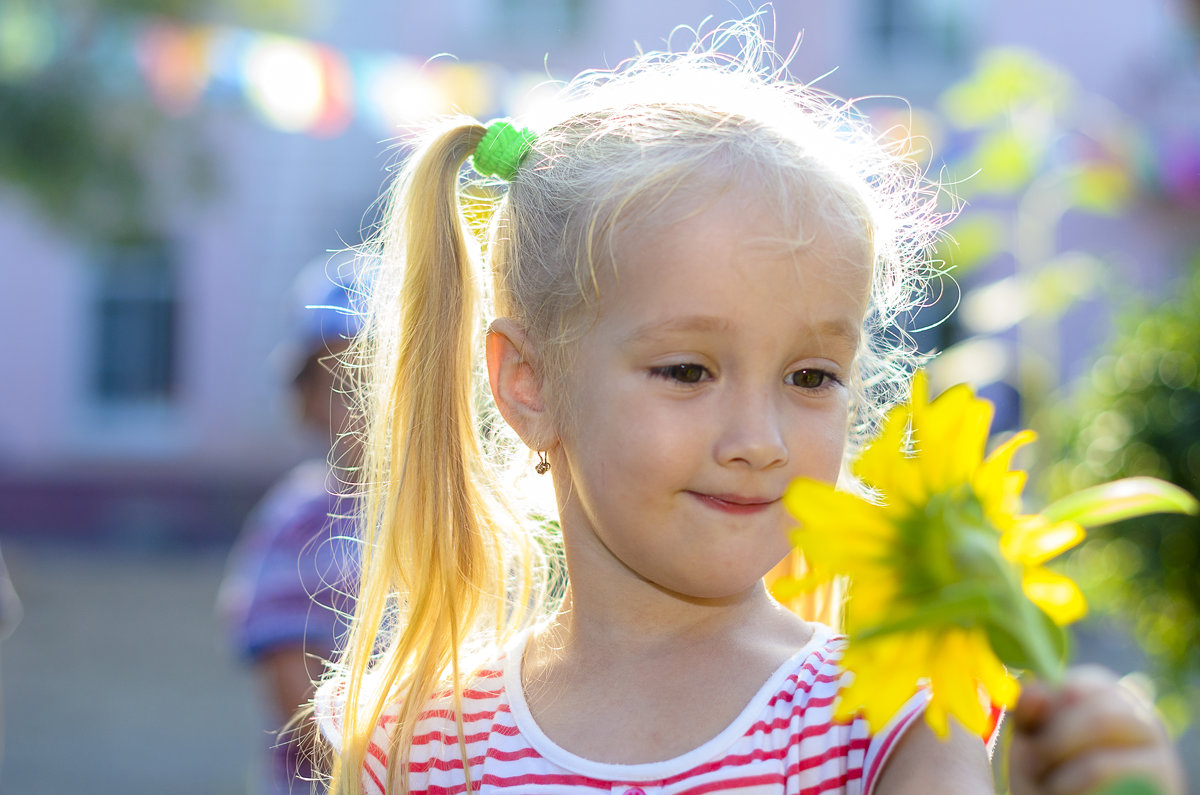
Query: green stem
pixel 1130 786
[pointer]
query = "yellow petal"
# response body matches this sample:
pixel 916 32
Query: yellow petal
pixel 1054 593
pixel 852 553
pixel 886 672
pixel 871 599
pixel 933 421
pixel 951 433
pixel 966 446
pixel 815 502
pixel 839 532
pixel 1001 686
pixel 785 589
pixel 876 462
pixel 920 389
pixel 1002 498
pixel 998 488
pixel 1001 458
pixel 848 706
pixel 1033 541
pixel 954 682
pixel 906 485
pixel 935 716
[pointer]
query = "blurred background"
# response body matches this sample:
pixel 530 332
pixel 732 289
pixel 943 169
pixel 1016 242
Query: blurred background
pixel 167 167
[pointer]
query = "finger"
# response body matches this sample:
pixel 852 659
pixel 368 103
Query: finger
pixel 1032 708
pixel 1084 681
pixel 1024 765
pixel 1037 700
pixel 1103 721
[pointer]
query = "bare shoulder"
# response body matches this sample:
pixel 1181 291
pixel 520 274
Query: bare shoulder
pixel 784 630
pixel 923 763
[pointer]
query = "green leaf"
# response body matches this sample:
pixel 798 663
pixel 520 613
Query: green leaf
pixel 975 238
pixel 1100 188
pixel 1021 635
pixel 961 605
pixel 1121 499
pixel 1060 283
pixel 1005 162
pixel 1024 637
pixel 1005 79
pixel 1008 647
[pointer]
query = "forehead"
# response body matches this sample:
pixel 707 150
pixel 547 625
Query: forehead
pixel 722 279
pixel 741 240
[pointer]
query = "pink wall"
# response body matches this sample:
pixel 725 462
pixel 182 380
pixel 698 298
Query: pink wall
pixel 286 197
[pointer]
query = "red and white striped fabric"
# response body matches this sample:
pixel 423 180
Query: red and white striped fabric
pixel 784 742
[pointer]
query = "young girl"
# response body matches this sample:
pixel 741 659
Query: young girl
pixel 696 267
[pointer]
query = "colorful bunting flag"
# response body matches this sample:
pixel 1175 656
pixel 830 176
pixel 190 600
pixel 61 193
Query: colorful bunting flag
pixel 292 84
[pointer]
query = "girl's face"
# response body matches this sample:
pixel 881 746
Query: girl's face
pixel 716 373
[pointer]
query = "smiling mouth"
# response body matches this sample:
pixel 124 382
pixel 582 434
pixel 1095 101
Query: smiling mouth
pixel 732 503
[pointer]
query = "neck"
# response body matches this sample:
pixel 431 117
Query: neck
pixel 645 620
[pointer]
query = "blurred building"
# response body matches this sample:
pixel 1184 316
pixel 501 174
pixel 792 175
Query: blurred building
pixel 138 402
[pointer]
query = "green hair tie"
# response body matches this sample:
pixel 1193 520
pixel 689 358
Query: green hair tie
pixel 502 149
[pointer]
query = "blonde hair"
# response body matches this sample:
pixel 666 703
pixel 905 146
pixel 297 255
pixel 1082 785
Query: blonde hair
pixel 449 572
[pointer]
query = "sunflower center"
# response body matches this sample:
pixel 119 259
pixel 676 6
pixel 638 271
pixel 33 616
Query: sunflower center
pixel 951 552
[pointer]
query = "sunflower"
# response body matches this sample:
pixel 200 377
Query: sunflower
pixel 947 582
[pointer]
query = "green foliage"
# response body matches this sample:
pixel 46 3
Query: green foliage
pixel 1138 413
pixel 76 157
pixel 1099 189
pixel 1004 80
pixel 1014 103
pixel 1004 162
pixel 1026 155
pixel 87 148
pixel 249 12
pixel 975 239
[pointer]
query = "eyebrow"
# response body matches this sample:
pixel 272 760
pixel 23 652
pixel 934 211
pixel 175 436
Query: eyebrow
pixel 705 324
pixel 839 329
pixel 702 324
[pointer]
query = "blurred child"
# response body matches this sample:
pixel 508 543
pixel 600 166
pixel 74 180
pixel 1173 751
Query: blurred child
pixel 290 572
pixel 698 266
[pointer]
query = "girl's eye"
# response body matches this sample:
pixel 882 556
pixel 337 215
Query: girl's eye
pixel 811 378
pixel 687 373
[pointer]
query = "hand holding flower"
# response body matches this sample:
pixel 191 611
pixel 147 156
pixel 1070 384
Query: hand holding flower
pixel 1089 735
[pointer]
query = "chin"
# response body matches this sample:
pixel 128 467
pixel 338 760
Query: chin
pixel 718 590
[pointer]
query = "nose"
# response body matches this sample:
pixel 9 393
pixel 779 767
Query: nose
pixel 752 433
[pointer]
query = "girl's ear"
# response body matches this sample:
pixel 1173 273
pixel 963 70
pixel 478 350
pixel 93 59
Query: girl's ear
pixel 517 384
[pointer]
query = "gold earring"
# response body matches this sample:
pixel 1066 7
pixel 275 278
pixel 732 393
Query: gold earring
pixel 542 466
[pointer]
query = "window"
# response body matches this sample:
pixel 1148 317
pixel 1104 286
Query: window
pixel 538 18
pixel 135 326
pixel 926 30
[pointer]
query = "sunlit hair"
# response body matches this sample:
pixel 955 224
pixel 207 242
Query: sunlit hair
pixel 450 571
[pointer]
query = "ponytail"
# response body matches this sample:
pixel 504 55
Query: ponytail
pixel 436 555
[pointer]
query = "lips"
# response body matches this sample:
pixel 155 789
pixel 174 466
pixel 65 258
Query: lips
pixel 734 503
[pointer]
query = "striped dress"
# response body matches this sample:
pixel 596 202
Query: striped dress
pixel 784 742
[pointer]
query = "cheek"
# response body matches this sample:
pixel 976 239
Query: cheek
pixel 822 445
pixel 615 439
pixel 612 432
